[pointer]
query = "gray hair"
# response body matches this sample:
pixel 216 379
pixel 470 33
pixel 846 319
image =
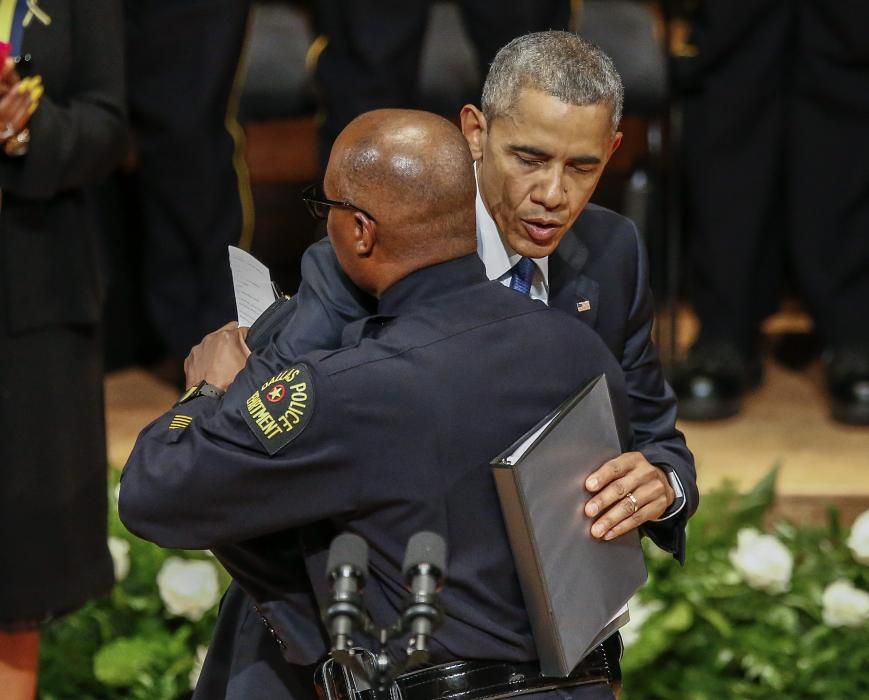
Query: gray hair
pixel 560 64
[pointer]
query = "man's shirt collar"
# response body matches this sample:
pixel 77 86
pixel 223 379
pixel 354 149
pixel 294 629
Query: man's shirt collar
pixel 496 255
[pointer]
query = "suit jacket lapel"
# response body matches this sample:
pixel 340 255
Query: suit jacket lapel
pixel 569 289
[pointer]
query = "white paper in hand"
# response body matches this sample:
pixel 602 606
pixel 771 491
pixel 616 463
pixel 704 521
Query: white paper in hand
pixel 253 286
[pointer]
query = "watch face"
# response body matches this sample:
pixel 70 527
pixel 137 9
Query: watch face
pixel 190 393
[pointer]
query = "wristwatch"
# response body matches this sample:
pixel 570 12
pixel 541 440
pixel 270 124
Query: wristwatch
pixel 201 389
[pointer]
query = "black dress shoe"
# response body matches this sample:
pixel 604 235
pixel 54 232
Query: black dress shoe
pixel 848 383
pixel 710 383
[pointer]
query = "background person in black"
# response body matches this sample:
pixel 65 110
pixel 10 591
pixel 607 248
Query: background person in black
pixel 781 111
pixel 397 428
pixel 53 500
pixel 191 184
pixel 373 53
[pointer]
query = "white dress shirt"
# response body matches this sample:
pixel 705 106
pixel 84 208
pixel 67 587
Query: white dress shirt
pixel 499 259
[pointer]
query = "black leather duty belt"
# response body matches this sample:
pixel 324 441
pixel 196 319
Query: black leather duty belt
pixel 486 680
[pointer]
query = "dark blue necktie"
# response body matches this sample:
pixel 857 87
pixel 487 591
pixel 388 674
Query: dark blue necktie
pixel 523 274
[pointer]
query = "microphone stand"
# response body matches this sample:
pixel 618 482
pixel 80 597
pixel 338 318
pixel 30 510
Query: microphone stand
pixel 422 614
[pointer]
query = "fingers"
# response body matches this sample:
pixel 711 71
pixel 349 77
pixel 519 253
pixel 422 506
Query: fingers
pixel 614 480
pixel 631 474
pixel 8 74
pixel 13 111
pixel 237 335
pixel 621 517
pixel 218 358
pixel 18 104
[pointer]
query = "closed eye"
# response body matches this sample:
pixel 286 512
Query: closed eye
pixel 526 161
pixel 584 169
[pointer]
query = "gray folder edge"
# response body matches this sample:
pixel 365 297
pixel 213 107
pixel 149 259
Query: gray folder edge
pixel 573 584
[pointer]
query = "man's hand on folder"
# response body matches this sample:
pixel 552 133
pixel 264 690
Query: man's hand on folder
pixel 218 358
pixel 629 491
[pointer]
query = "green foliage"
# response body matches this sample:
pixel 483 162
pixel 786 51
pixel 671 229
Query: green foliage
pixel 711 636
pixel 714 637
pixel 125 645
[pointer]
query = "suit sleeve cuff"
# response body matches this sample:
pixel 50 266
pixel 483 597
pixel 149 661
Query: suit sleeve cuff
pixel 679 502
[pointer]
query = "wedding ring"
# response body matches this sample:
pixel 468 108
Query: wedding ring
pixel 634 502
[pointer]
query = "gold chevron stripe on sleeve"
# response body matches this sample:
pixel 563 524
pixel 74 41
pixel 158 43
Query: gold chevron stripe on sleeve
pixel 179 421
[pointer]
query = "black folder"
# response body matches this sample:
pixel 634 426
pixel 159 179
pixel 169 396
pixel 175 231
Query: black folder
pixel 575 587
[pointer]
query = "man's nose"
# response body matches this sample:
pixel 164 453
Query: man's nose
pixel 549 190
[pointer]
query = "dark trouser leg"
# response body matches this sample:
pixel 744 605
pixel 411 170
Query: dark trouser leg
pixel 828 177
pixel 829 192
pixel 491 25
pixel 733 143
pixel 371 60
pixel 182 57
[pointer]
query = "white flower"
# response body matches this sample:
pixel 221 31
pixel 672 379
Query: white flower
pixel 198 660
pixel 188 588
pixel 762 561
pixel 120 551
pixel 639 613
pixel 858 542
pixel 845 605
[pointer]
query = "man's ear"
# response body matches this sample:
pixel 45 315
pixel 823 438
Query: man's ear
pixel 617 141
pixel 475 129
pixel 364 234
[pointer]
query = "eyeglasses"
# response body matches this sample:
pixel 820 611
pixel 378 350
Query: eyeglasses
pixel 318 205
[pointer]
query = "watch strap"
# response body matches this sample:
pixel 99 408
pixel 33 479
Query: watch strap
pixel 201 389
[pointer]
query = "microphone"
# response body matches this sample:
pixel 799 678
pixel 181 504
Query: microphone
pixel 425 566
pixel 347 568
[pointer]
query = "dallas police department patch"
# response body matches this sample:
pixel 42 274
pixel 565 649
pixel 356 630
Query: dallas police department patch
pixel 280 409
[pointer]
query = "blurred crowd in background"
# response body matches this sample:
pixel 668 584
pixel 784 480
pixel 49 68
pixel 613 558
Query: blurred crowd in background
pixel 740 125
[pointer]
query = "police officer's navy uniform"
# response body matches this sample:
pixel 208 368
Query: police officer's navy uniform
pixel 386 437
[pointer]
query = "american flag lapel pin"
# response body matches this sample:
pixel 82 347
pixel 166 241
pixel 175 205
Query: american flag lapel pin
pixel 584 305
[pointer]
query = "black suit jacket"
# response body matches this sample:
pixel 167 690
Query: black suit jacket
pixel 602 264
pixel 48 226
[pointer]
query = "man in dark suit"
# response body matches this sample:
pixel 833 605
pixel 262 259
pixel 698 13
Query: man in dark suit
pixel 393 433
pixel 540 144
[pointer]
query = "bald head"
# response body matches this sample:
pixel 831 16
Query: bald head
pixel 413 172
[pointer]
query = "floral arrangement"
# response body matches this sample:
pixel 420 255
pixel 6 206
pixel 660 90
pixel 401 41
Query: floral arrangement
pixel 147 640
pixel 778 615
